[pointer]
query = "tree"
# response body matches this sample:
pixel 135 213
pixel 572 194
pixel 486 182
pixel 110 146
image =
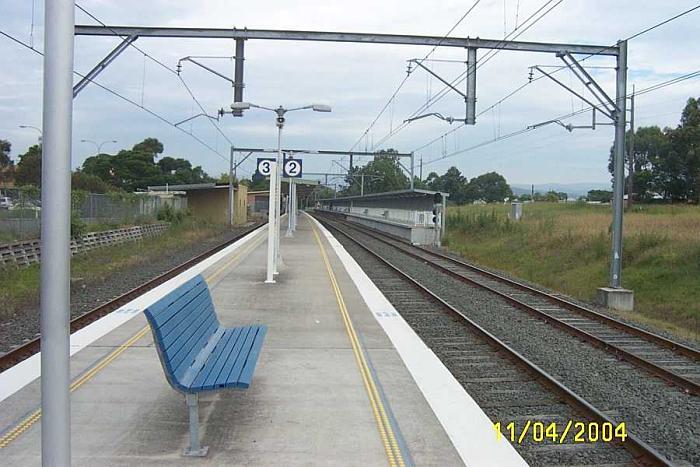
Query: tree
pixel 381 174
pixel 5 148
pixel 489 187
pixel 7 166
pixel 89 183
pixel 136 168
pixel 149 146
pixel 603 196
pixel 667 162
pixel 28 170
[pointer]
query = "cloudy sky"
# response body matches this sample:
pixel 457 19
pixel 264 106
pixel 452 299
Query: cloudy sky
pixel 356 80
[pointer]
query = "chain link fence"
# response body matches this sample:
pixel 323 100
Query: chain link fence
pixel 20 211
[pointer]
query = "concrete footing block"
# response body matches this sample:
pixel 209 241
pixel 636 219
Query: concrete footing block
pixel 617 299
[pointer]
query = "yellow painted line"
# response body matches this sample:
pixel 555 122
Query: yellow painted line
pixel 35 416
pixel 386 431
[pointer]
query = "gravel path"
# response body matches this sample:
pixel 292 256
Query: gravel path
pixel 663 416
pixel 23 326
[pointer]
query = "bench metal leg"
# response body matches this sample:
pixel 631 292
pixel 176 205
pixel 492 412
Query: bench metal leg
pixel 194 450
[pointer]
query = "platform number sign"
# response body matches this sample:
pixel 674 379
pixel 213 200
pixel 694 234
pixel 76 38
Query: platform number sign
pixel 265 166
pixel 292 168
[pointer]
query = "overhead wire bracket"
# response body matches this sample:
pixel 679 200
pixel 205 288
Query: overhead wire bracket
pixel 104 63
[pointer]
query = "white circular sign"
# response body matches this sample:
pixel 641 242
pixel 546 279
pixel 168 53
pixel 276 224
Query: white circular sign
pixel 265 167
pixel 292 167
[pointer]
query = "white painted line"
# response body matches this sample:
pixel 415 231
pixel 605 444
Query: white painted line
pixel 468 427
pixel 15 378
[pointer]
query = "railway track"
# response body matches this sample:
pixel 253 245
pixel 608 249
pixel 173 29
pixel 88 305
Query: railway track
pixel 676 363
pixel 33 346
pixel 507 385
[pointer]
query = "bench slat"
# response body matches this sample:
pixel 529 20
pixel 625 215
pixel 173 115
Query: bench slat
pixel 212 383
pixel 180 310
pixel 184 358
pixel 218 358
pixel 240 360
pixel 247 373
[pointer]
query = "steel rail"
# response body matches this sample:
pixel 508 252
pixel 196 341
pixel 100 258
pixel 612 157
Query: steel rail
pixel 644 454
pixel 687 385
pixel 28 349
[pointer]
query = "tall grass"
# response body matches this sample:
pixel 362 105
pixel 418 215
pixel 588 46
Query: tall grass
pixel 567 247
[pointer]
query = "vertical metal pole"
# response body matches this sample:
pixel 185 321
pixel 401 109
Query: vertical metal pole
pixel 412 169
pixel 270 279
pixel 362 184
pixel 421 168
pixel 443 218
pixel 294 207
pixel 471 86
pixel 195 449
pixel 230 190
pixel 238 75
pixel 630 170
pixel 619 165
pixel 278 196
pixel 289 209
pixel 59 23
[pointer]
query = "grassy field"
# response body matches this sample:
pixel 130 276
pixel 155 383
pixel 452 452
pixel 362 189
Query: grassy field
pixel 566 247
pixel 19 287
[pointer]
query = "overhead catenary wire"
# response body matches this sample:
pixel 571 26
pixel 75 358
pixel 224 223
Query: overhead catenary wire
pixel 652 88
pixel 216 127
pixel 124 98
pixel 527 83
pixel 408 75
pixel 480 62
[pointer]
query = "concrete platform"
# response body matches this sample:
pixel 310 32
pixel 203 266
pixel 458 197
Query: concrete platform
pixel 342 379
pixel 310 402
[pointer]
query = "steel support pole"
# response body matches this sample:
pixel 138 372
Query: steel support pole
pixel 412 169
pixel 619 165
pixel 471 87
pixel 238 85
pixel 270 278
pixel 231 201
pixel 59 21
pixel 630 169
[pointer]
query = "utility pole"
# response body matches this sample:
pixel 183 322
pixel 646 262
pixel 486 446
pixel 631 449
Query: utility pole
pixel 630 170
pixel 421 168
pixel 59 21
pixel 362 184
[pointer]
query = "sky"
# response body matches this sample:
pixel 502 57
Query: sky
pixel 357 80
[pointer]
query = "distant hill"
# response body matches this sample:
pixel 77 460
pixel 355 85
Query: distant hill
pixel 574 190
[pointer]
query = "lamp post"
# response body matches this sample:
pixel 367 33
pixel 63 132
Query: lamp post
pixel 275 195
pixel 41 134
pixel 98 146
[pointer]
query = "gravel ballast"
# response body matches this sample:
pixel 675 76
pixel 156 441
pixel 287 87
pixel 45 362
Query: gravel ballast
pixel 663 416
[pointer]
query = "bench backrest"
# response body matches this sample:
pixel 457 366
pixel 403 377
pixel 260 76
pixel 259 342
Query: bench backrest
pixel 182 323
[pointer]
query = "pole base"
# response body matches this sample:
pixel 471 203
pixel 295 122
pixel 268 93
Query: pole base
pixel 616 299
pixel 272 281
pixel 201 452
pixel 288 234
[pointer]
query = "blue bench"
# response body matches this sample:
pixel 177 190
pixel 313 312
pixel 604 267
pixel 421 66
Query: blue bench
pixel 197 353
